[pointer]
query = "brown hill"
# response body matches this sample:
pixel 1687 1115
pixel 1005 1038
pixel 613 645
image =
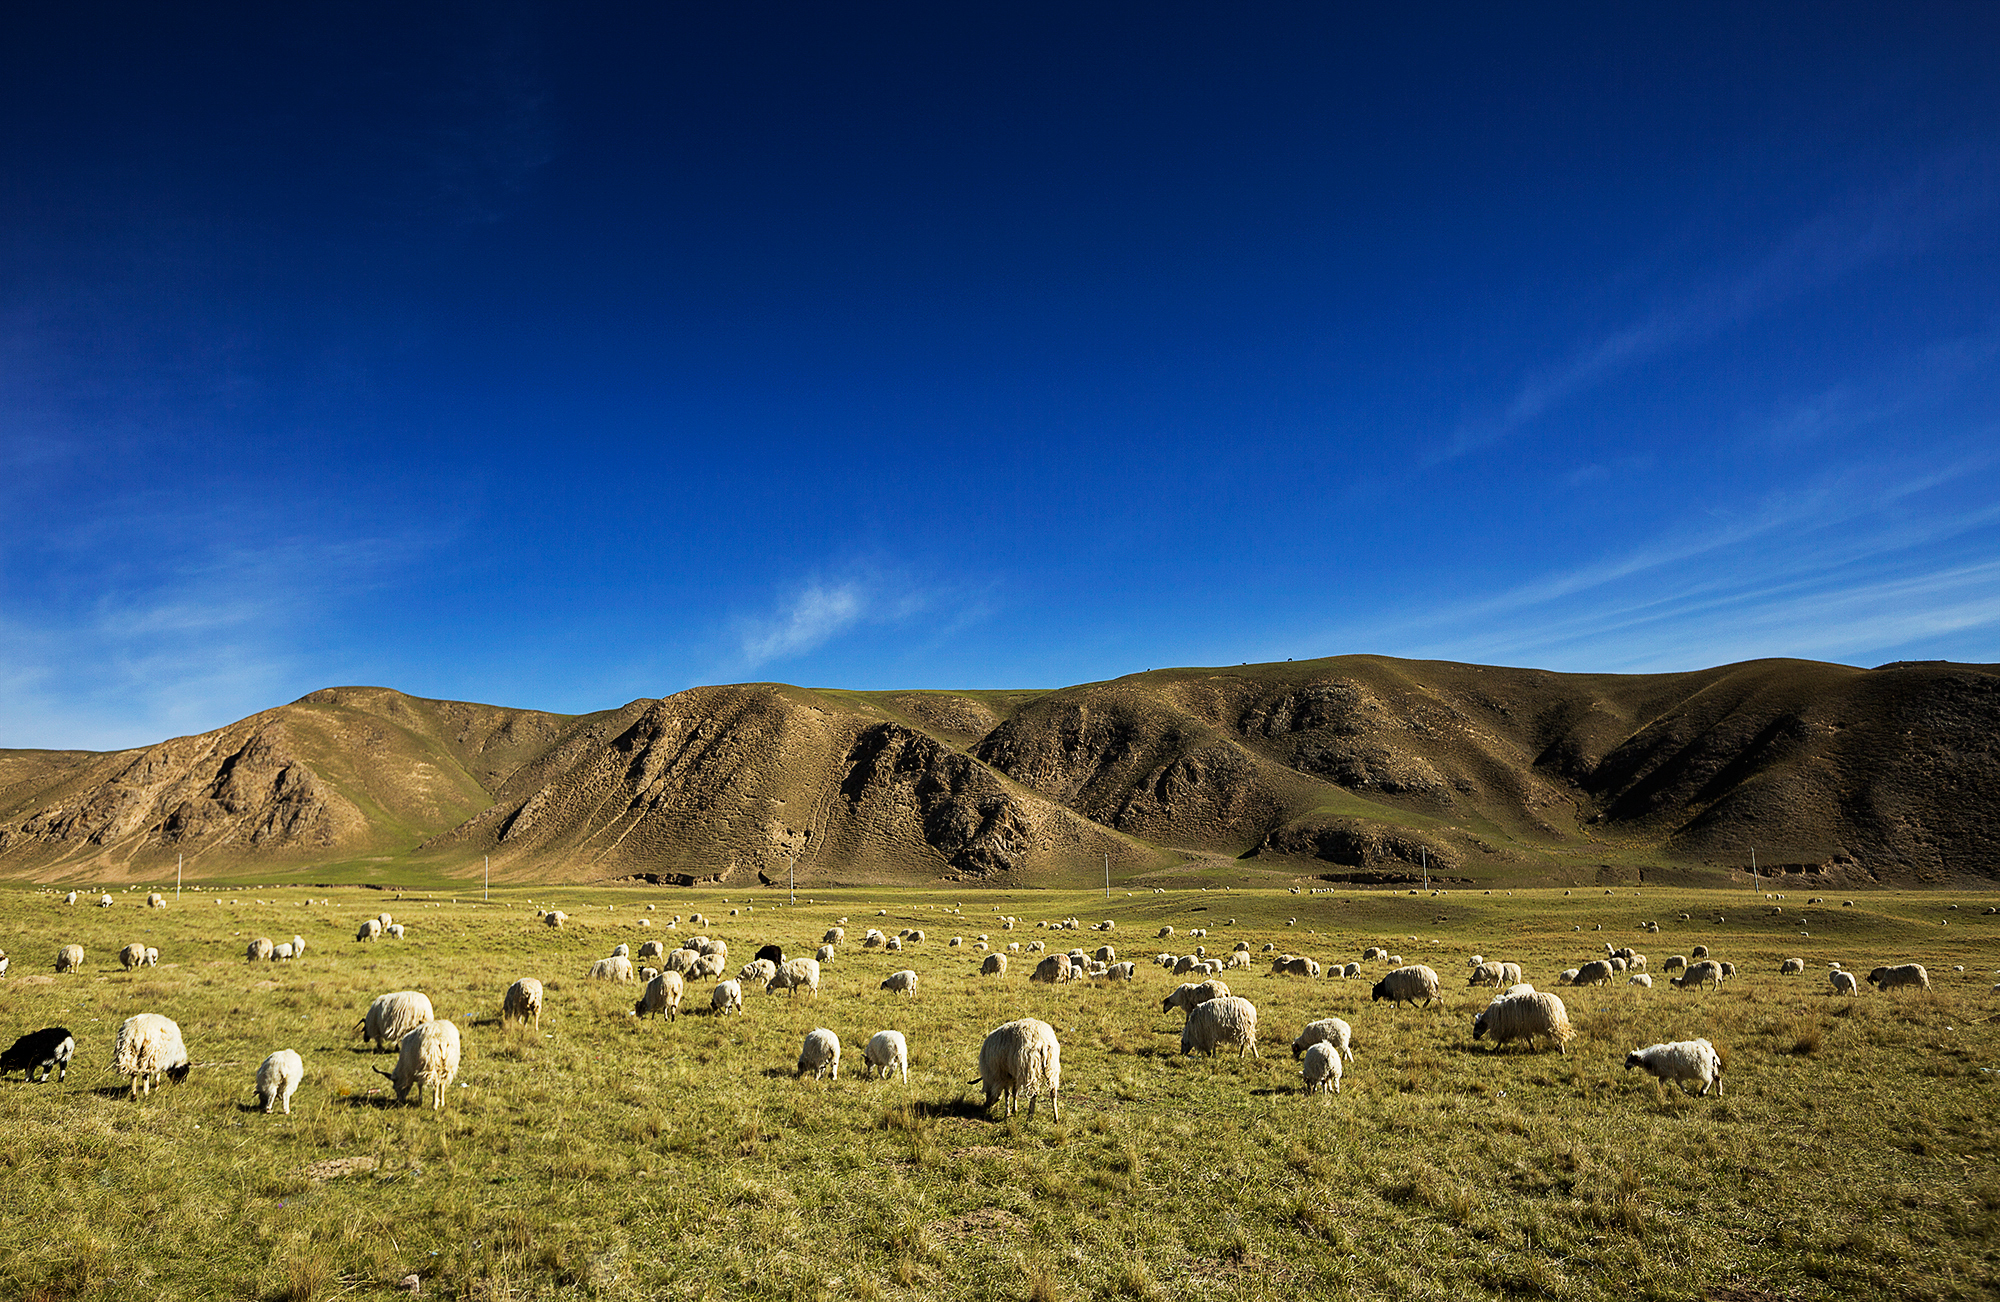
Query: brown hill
pixel 1356 768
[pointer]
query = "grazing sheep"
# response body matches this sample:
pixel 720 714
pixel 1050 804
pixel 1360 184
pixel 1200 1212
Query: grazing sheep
pixel 1019 1058
pixel 132 956
pixel 872 939
pixel 725 996
pixel 69 958
pixel 1408 985
pixel 1682 1060
pixel 1728 968
pixel 259 950
pixel 1698 975
pixel 298 947
pixel 1699 951
pixel 1523 1017
pixel 44 1051
pixel 1637 963
pixel 1351 970
pixel 1190 995
pixel 916 936
pixel 1844 983
pixel 1229 1021
pixel 428 1059
pixel 820 1054
pixel 395 1015
pixel 795 975
pixel 758 971
pixel 775 954
pixel 1640 979
pixel 71 898
pixel 149 1045
pixel 1597 972
pixel 893 945
pixel 1105 954
pixel 1615 963
pixel 707 968
pixel 1568 976
pixel 104 902
pixel 394 931
pixel 1374 953
pixel 1906 974
pixel 888 1053
pixel 523 1003
pixel 1792 967
pixel 1327 1030
pixel 1120 971
pixel 1678 963
pixel 824 954
pixel 282 953
pixel 156 901
pixel 1486 974
pixel 681 960
pixel 652 949
pixel 1321 1069
pixel 902 983
pixel 278 1078
pixel 1523 989
pixel 1052 970
pixel 1162 934
pixel 370 930
pixel 994 965
pixel 662 995
pixel 554 918
pixel 1291 965
pixel 615 968
pixel 834 935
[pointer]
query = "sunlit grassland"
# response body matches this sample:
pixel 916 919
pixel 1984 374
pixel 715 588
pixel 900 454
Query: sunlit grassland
pixel 1853 1153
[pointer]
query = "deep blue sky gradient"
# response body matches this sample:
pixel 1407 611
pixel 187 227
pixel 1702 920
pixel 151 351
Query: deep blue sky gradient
pixel 558 355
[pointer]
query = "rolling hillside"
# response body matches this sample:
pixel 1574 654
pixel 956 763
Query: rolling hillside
pixel 1355 769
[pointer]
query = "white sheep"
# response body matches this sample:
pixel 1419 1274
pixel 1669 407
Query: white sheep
pixel 1224 1022
pixel 71 898
pixel 1568 976
pixel 1682 1060
pixel 259 950
pixel 683 961
pixel 834 935
pixel 1640 979
pixel 149 1045
pixel 278 1078
pixel 298 946
pixel 1321 1068
pixel 1486 974
pixel 1327 1030
pixel 1021 1057
pixel 132 956
pixel 888 1053
pixel 554 918
pixel 282 953
pixel 1597 972
pixel 725 996
pixel 611 969
pixel 1523 1017
pixel 152 959
pixel 1053 970
pixel 523 1003
pixel 820 1054
pixel 1164 932
pixel 651 949
pixel 69 958
pixel 156 901
pixel 371 929
pixel 708 967
pixel 392 1016
pixel 104 902
pixel 1698 974
pixel 1792 967
pixel 994 965
pixel 758 971
pixel 1844 983
pixel 1120 971
pixel 1408 985
pixel 394 931
pixel 662 995
pixel 795 974
pixel 1894 978
pixel 1190 995
pixel 427 1058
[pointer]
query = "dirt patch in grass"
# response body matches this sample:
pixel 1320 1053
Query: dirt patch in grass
pixel 986 1223
pixel 335 1167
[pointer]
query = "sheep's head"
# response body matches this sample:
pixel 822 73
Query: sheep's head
pixel 1634 1059
pixel 179 1073
pixel 1479 1027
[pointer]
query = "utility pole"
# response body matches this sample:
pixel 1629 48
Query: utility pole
pixel 1107 874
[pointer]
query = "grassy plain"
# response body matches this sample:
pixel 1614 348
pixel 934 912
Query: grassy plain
pixel 1854 1153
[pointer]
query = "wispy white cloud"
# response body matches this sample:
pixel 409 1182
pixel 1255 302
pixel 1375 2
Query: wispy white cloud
pixel 821 610
pixel 808 620
pixel 1827 249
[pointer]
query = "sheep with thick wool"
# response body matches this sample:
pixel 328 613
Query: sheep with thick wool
pixel 69 958
pixel 1189 995
pixel 1229 1021
pixel 1524 1017
pixel 727 995
pixel 887 1053
pixel 662 995
pixel 1682 1060
pixel 426 1059
pixel 523 1003
pixel 1698 974
pixel 1296 965
pixel 1899 977
pixel 1053 970
pixel 1408 985
pixel 392 1016
pixel 1320 1069
pixel 1327 1030
pixel 902 983
pixel 708 967
pixel 794 975
pixel 758 971
pixel 1844 983
pixel 132 956
pixel 614 968
pixel 994 965
pixel 149 1046
pixel 371 929
pixel 278 1078
pixel 1792 967
pixel 1597 972
pixel 820 1054
pixel 1022 1058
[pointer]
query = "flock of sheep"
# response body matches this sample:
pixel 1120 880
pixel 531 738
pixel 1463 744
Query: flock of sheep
pixel 1020 1059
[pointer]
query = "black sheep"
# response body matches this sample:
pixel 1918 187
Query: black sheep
pixel 772 952
pixel 50 1047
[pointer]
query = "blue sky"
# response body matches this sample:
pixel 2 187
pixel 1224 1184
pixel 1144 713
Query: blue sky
pixel 554 356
